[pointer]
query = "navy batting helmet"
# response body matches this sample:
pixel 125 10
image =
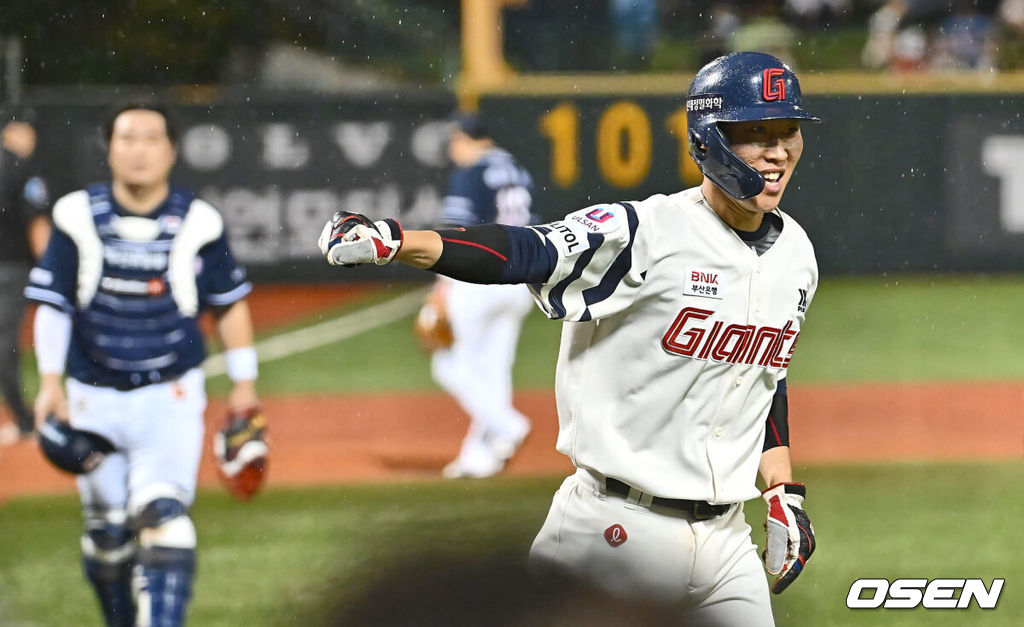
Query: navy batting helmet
pixel 740 87
pixel 72 450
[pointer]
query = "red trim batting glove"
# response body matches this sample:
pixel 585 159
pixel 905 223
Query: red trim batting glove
pixel 789 535
pixel 351 239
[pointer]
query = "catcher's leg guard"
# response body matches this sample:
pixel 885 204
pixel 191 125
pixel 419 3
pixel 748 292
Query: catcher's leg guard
pixel 108 554
pixel 166 563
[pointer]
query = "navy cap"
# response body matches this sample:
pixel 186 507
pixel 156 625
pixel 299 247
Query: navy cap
pixel 469 124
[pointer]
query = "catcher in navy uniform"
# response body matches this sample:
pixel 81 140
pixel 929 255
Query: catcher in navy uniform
pixel 129 267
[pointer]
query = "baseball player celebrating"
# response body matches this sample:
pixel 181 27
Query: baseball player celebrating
pixel 681 313
pixel 129 266
pixel 486 186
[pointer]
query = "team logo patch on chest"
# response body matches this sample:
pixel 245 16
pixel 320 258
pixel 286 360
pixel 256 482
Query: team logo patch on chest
pixel 704 283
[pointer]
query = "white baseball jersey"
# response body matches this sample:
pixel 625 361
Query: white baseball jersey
pixel 675 336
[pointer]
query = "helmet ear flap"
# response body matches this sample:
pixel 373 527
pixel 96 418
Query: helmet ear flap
pixel 727 170
pixel 698 149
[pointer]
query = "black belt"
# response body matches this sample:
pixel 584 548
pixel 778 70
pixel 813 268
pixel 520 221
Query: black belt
pixel 700 510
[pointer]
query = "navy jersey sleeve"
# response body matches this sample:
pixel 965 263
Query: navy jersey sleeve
pixel 222 281
pixel 29 189
pixel 462 206
pixel 35 197
pixel 54 279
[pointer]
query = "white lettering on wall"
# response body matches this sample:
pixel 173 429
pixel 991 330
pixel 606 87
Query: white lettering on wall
pixel 1002 156
pixel 206 147
pixel 283 149
pixel 362 143
pixel 429 144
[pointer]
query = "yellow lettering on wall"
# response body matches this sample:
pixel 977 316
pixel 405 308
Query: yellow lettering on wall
pixel 624 144
pixel 562 126
pixel 689 173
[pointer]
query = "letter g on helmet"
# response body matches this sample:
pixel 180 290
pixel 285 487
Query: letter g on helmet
pixel 739 87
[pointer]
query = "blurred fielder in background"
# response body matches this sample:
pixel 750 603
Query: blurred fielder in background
pixel 24 230
pixel 473 329
pixel 128 268
pixel 681 315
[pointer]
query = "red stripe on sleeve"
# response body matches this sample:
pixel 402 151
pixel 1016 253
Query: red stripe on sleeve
pixel 771 421
pixel 480 246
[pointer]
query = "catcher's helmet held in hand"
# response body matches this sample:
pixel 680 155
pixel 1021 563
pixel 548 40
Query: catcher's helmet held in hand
pixel 739 87
pixel 72 450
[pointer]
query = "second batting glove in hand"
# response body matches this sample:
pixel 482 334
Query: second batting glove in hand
pixel 789 535
pixel 350 239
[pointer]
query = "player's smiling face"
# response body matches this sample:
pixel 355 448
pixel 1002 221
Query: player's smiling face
pixel 772 147
pixel 141 154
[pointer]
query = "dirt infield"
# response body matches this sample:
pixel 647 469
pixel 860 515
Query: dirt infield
pixel 328 439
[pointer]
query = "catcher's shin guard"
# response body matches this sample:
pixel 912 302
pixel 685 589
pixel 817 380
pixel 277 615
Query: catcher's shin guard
pixel 166 563
pixel 163 581
pixel 108 554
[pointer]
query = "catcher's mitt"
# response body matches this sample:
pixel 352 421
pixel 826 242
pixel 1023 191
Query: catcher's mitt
pixel 432 328
pixel 241 450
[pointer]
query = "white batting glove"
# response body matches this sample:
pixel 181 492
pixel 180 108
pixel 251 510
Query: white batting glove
pixel 789 535
pixel 350 239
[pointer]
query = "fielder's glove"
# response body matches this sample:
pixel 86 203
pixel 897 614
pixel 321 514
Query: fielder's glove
pixel 241 450
pixel 350 239
pixel 432 326
pixel 789 535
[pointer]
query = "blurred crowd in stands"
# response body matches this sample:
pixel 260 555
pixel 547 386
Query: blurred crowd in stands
pixel 913 35
pixel 889 35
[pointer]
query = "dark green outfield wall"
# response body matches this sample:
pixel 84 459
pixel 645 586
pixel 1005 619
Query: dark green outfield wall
pixel 887 183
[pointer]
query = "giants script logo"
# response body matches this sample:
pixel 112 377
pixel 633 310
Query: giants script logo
pixel 768 347
pixel 773 87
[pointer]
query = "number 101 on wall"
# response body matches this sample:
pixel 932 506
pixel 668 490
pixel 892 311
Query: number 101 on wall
pixel 623 141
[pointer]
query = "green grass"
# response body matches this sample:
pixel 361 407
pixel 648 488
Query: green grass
pixel 912 329
pixel 284 558
pixel 395 359
pixel 877 329
pixel 861 329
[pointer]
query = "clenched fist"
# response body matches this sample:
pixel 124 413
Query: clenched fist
pixel 350 239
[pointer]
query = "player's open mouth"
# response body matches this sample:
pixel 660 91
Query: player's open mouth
pixel 772 177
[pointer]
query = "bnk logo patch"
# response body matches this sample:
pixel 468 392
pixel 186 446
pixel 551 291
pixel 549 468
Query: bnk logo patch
pixel 704 283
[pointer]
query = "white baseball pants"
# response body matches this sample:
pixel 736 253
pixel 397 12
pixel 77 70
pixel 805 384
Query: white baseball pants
pixel 158 430
pixel 709 567
pixel 477 369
